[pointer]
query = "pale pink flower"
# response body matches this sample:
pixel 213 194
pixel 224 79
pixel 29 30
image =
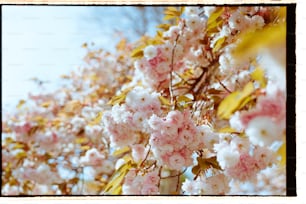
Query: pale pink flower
pixel 176 161
pixel 92 157
pixel 150 190
pixel 150 52
pixel 245 169
pixel 216 185
pixel 263 131
pixel 264 157
pixel 139 152
pixel 152 178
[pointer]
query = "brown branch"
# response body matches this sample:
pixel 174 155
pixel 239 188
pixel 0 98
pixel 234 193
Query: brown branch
pixel 181 173
pixel 171 70
pixel 141 164
pixel 229 91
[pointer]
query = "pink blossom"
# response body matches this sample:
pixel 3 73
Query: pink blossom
pixel 152 178
pixel 245 169
pixel 264 157
pixel 176 161
pixel 92 157
pixel 138 152
pixel 23 128
pixel 150 190
pixel 270 106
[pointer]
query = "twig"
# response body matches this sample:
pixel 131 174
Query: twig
pixel 181 173
pixel 171 70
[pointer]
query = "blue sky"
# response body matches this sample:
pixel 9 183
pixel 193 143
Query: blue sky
pixel 45 42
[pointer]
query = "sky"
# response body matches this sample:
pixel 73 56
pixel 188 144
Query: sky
pixel 45 42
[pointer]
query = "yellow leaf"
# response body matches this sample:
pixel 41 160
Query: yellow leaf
pixel 172 11
pixel 138 52
pixel 183 99
pixel 92 186
pixel 127 158
pixel 164 26
pixel 213 22
pixel 41 121
pixel 9 140
pixel 121 151
pixel 245 101
pixel 164 101
pixel 13 182
pixel 227 130
pixel 182 9
pixel 187 74
pixel 56 122
pixel 212 161
pixel 282 153
pixel 84 45
pixel 72 107
pixel 81 140
pixel 65 76
pixel 233 101
pixel 85 147
pixel 21 155
pixel 155 41
pixel 19 146
pixel 115 182
pixel 203 164
pixel 259 75
pixel 46 104
pixel 215 15
pixel 196 169
pixel 218 44
pixel 169 17
pixel 97 119
pixel 20 104
pixel 119 98
pixel 121 45
pixel 251 43
pixel 170 8
pixel 159 34
pixel 282 12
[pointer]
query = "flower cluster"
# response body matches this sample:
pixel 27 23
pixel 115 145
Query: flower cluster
pixel 198 109
pixel 141 184
pixel 173 139
pixel 124 123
